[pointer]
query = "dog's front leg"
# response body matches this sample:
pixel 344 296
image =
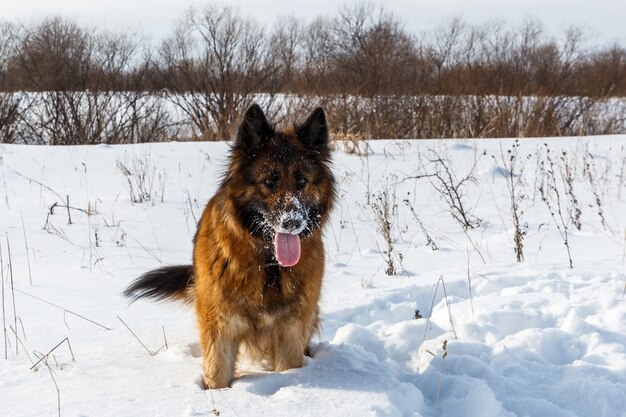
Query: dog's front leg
pixel 290 343
pixel 219 349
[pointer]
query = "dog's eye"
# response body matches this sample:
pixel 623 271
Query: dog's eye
pixel 270 183
pixel 300 183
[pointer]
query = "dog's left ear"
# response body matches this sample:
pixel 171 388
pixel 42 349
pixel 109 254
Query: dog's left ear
pixel 314 131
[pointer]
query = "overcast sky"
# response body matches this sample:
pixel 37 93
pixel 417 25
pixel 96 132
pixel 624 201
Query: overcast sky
pixel 604 19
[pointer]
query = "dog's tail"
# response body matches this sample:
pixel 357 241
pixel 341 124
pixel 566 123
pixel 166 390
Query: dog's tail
pixel 166 283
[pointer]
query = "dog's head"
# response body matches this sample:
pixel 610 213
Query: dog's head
pixel 281 182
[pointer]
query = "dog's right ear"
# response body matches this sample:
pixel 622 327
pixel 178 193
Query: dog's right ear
pixel 254 129
pixel 314 131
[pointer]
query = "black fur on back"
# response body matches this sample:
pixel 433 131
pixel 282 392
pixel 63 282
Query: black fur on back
pixel 168 282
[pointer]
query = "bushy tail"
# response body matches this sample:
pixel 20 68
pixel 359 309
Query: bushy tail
pixel 166 283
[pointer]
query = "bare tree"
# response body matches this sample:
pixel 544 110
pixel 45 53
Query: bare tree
pixel 9 101
pixel 367 43
pixel 316 49
pixel 135 114
pixel 285 52
pixel 54 59
pixel 53 55
pixel 373 57
pixel 213 65
pixel 376 79
pixel 78 73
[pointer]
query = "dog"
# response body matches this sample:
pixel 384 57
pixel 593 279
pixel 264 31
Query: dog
pixel 258 257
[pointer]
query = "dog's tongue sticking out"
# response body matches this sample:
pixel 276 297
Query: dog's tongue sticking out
pixel 287 248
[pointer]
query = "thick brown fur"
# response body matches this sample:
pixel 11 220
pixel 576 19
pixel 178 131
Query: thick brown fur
pixel 244 299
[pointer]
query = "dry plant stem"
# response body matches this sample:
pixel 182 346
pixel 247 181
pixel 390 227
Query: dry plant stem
pixel 622 175
pixel 476 248
pixel 165 338
pixel 451 189
pixel 510 163
pixel 50 228
pixel 4 320
pixel 594 189
pixel 445 293
pixel 41 184
pixel 540 174
pixel 133 333
pixel 165 345
pixel 440 281
pixel 156 239
pixel 430 242
pixel 148 251
pixel 57 363
pixel 519 235
pixel 384 207
pixel 567 175
pixel 44 357
pixel 624 248
pixel 62 308
pixel 87 211
pixel 141 178
pixel 443 368
pixel 158 350
pixel 336 239
pixel 215 411
pixel 22 327
pixel 91 247
pixel 368 174
pixel 30 276
pixel 193 214
pixel 12 293
pixel 469 285
pixel 69 346
pixel 384 222
pixel 162 183
pixel 430 313
pixel 69 215
pixel 22 344
pixel 560 222
pixel 55 385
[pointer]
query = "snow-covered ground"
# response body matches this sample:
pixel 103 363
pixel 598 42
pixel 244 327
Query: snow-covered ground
pixel 460 331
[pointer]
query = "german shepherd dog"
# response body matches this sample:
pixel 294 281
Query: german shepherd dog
pixel 258 257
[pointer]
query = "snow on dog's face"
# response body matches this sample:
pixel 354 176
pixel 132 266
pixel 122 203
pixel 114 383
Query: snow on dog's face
pixel 281 181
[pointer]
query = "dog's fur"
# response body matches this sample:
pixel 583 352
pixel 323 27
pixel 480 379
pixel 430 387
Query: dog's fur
pixel 277 182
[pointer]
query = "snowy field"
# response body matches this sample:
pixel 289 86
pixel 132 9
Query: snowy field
pixel 460 330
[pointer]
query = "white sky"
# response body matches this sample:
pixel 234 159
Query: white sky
pixel 605 20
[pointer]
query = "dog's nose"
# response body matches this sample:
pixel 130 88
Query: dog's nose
pixel 292 224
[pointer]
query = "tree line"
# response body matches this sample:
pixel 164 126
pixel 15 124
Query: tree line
pixel 64 83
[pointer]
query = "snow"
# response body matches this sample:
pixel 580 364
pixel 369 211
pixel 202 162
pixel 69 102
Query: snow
pixel 515 339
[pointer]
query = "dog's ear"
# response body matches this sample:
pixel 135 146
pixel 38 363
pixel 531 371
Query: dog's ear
pixel 314 131
pixel 254 129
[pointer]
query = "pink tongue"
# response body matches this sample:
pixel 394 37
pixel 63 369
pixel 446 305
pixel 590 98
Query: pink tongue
pixel 287 248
